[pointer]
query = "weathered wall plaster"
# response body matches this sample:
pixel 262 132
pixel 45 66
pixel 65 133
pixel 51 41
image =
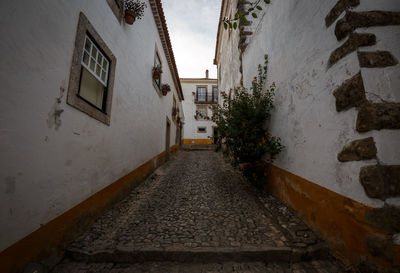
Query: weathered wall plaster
pixel 299 47
pixel 52 162
pixel 325 90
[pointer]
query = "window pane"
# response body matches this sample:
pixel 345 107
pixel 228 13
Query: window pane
pixel 103 75
pixel 86 58
pixel 87 45
pixel 94 53
pixel 105 64
pixel 215 94
pixel 99 58
pixel 92 64
pixel 158 61
pixel 98 70
pixel 91 89
pixel 202 110
pixel 201 93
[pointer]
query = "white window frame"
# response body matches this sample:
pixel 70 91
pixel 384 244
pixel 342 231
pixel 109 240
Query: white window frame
pixel 85 29
pixel 96 63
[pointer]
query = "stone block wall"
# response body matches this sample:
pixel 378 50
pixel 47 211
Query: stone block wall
pixel 380 181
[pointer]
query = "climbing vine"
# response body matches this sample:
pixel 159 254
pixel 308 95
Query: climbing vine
pixel 255 6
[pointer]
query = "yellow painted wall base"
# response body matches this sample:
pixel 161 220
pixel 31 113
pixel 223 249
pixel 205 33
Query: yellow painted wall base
pixel 338 219
pixel 188 141
pixel 54 236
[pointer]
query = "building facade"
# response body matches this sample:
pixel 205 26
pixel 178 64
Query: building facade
pixel 82 119
pixel 200 94
pixel 335 65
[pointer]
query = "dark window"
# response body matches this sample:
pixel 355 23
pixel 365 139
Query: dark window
pixel 156 63
pixel 201 94
pixel 201 111
pixel 92 74
pixel 116 7
pixel 215 94
pixel 201 129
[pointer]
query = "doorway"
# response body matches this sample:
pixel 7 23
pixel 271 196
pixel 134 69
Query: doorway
pixel 167 139
pixel 215 135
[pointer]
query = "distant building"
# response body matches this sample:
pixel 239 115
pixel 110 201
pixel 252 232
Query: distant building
pixel 82 118
pixel 200 94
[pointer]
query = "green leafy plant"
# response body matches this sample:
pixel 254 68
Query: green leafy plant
pixel 136 6
pixel 241 119
pixel 232 23
pixel 241 122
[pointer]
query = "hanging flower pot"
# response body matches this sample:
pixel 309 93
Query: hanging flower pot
pixel 165 88
pixel 157 72
pixel 130 16
pixel 134 9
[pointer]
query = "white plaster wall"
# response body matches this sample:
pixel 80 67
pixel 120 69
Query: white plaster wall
pixel 189 109
pixel 228 55
pixel 294 35
pixel 44 171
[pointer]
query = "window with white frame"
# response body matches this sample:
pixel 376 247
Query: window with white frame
pixel 201 94
pixel 157 62
pixel 94 77
pixel 215 94
pixel 201 111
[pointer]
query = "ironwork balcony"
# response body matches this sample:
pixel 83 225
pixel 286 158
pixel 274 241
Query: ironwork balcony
pixel 206 100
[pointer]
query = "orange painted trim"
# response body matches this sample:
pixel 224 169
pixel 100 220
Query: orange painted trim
pixel 54 236
pixel 338 219
pixel 199 81
pixel 174 149
pixel 189 141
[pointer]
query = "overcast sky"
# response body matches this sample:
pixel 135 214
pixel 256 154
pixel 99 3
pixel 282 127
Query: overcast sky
pixel 192 26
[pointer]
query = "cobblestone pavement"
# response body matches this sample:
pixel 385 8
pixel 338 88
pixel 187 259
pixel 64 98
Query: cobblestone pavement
pixel 197 209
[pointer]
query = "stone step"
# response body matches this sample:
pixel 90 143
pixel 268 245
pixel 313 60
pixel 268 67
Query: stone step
pixel 205 147
pixel 203 255
pixel 317 266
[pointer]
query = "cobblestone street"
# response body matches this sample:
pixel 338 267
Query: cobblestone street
pixel 197 214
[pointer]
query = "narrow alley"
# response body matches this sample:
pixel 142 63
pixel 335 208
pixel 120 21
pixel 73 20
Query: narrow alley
pixel 197 213
pixel 111 112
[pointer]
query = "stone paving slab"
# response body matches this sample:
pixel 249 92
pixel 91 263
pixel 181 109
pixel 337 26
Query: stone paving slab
pixel 197 209
pixel 225 267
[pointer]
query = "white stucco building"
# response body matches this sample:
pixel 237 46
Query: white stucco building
pixel 335 65
pixel 81 118
pixel 200 94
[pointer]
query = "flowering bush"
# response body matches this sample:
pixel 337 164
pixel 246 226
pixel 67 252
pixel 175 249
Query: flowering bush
pixel 136 6
pixel 241 119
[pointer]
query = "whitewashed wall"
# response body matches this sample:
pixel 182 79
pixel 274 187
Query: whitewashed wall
pixel 189 108
pixel 45 171
pixel 229 63
pixel 294 35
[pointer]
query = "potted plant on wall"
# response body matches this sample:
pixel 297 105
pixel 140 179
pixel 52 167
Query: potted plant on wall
pixel 165 88
pixel 157 72
pixel 134 9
